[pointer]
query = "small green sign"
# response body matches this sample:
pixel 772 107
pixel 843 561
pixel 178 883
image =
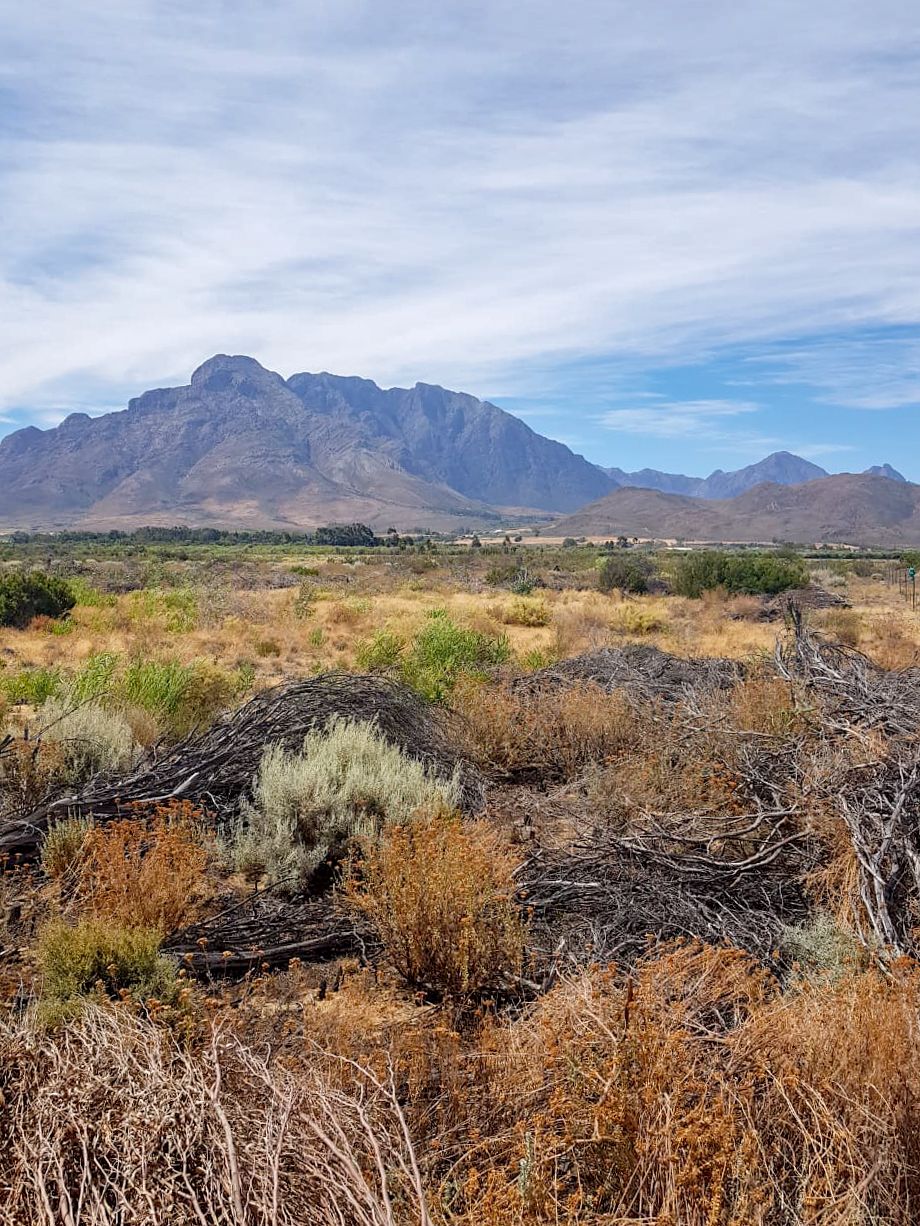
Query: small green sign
pixel 911 572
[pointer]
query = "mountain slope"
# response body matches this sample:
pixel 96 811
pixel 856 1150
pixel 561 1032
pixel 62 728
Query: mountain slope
pixel 441 436
pixel 781 467
pixel 240 445
pixel 860 509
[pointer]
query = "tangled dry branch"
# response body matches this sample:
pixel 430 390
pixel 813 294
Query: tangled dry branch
pixel 216 769
pixel 111 1122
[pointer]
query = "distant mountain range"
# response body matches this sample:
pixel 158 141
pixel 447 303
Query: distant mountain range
pixel 850 508
pixel 781 468
pixel 241 446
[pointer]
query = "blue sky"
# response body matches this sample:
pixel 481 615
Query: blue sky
pixel 674 234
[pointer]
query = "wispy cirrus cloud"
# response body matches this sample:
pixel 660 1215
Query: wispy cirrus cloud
pixel 459 193
pixel 678 419
pixel 859 372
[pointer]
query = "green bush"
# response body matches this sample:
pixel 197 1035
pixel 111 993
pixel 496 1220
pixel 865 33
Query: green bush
pixel 442 652
pixel 623 572
pixel 94 956
pixel 24 596
pixel 94 680
pixel 90 597
pixel 31 685
pixel 347 781
pixel 383 651
pixel 744 573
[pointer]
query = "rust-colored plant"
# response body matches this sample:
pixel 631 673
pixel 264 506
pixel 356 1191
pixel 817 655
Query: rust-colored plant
pixel 441 896
pixel 145 873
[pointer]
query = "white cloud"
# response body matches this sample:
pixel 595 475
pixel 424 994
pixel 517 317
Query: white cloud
pixel 446 192
pixel 869 372
pixel 681 419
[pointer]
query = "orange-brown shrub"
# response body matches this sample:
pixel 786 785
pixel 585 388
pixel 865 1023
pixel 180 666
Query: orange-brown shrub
pixel 441 896
pixel 144 873
pixel 555 735
pixel 696 1092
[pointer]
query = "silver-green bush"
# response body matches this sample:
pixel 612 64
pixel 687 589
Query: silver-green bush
pixel 93 738
pixel 347 781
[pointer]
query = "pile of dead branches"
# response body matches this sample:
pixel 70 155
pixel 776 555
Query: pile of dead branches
pixel 216 769
pixel 875 714
pixel 855 695
pixel 641 670
pixel 777 608
pixel 267 928
pixel 734 880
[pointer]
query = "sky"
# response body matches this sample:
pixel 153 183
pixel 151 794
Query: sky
pixel 678 234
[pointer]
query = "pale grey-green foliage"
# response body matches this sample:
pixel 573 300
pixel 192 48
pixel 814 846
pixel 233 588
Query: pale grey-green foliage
pixel 347 781
pixel 822 948
pixel 93 738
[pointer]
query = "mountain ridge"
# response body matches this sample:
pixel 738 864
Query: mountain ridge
pixel 844 508
pixel 781 467
pixel 240 444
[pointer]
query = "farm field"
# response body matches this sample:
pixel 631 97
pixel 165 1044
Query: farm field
pixel 428 885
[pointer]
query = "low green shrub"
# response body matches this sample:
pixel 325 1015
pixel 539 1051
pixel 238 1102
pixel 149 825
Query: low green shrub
pixel 623 572
pixel 93 956
pixel 31 686
pixel 442 652
pixel 347 781
pixel 381 652
pixel 90 597
pixel 743 573
pixel 25 595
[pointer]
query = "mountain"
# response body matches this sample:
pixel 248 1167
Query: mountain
pixel 781 467
pixel 885 470
pixel 652 479
pixel 851 508
pixel 240 445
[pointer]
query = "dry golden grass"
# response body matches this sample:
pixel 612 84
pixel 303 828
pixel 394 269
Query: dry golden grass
pixel 550 736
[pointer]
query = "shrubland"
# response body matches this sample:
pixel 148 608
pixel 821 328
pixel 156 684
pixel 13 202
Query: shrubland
pixel 599 913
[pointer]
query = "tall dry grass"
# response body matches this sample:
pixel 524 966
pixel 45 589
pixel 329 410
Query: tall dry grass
pixel 114 1120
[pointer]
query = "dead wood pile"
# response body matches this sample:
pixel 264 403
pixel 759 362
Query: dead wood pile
pixel 269 929
pixel 876 788
pixel 720 879
pixel 215 769
pixel 641 670
pixel 777 608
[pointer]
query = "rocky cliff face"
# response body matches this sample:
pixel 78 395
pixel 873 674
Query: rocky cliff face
pixel 240 445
